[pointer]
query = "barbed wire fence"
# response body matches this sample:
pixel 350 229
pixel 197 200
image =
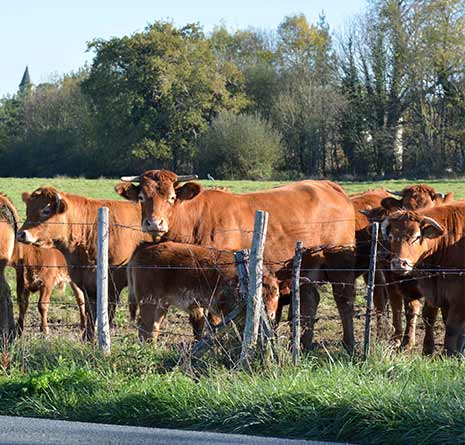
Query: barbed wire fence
pixel 260 328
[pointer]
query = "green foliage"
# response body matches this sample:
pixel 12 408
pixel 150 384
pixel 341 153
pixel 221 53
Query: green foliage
pixel 239 146
pixel 156 91
pixel 385 100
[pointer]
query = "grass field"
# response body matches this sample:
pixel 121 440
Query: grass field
pixel 391 398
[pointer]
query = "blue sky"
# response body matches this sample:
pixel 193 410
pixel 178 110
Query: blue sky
pixel 51 38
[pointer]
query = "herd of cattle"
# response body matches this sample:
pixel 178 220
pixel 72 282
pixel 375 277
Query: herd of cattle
pixel 183 256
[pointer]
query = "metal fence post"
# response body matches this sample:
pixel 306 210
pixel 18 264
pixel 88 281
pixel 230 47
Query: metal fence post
pixel 102 281
pixel 371 286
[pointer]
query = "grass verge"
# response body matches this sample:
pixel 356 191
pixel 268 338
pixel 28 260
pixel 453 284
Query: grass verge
pixel 388 399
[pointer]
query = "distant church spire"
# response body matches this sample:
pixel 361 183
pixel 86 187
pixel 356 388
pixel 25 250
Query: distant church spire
pixel 26 83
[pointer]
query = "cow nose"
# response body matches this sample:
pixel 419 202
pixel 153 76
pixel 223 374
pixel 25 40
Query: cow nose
pixel 401 264
pixel 23 236
pixel 152 225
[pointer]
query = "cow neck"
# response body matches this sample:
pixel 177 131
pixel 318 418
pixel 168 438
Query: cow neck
pixel 81 227
pixel 439 250
pixel 186 219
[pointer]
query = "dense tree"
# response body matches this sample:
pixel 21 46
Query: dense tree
pixel 388 100
pixel 156 91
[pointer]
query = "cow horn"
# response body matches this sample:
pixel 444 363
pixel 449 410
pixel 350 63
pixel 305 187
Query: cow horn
pixel 394 192
pixel 130 178
pixel 365 212
pixel 384 226
pixel 184 178
pixel 433 222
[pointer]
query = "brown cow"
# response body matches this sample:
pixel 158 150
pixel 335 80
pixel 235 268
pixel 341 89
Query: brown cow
pixel 318 213
pixel 412 198
pixel 430 239
pixel 190 277
pixel 37 270
pixel 418 196
pixel 364 203
pixel 70 223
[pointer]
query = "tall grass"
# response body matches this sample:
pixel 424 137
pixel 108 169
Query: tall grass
pixel 389 398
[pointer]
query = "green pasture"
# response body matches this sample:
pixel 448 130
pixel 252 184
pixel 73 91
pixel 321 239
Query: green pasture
pixel 103 188
pixel 394 397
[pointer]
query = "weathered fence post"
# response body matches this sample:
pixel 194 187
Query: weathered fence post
pixel 7 322
pixel 102 281
pixel 254 293
pixel 242 258
pixel 296 303
pixel 371 286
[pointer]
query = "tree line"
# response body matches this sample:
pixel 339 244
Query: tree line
pixel 382 98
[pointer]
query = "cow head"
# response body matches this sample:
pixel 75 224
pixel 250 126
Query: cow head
pixel 420 196
pixel 410 236
pixel 159 192
pixel 270 295
pixel 45 217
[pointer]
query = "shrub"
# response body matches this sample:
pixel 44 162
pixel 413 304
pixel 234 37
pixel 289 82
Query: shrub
pixel 238 146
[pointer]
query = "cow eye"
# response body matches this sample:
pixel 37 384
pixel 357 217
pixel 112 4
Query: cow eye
pixel 171 199
pixel 141 198
pixel 391 237
pixel 46 211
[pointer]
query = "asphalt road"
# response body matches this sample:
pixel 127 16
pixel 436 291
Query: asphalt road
pixel 28 431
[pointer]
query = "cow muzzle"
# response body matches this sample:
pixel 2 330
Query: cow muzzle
pixel 158 226
pixel 401 265
pixel 24 236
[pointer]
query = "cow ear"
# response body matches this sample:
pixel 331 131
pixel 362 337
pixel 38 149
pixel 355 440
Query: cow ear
pixel 391 203
pixel 448 198
pixel 128 191
pixel 62 205
pixel 25 197
pixel 431 229
pixel 188 191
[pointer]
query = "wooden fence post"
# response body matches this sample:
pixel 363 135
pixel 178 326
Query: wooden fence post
pixel 296 303
pixel 371 286
pixel 254 293
pixel 102 281
pixel 242 258
pixel 7 322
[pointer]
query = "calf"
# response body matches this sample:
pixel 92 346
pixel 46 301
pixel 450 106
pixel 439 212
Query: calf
pixel 190 277
pixel 41 270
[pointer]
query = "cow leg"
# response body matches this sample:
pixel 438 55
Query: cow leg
pixel 81 302
pixel 309 300
pixel 429 314
pixel 197 319
pixel 91 314
pixel 344 295
pixel 151 317
pixel 396 300
pixel 455 327
pixel 45 293
pixel 23 302
pixel 412 310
